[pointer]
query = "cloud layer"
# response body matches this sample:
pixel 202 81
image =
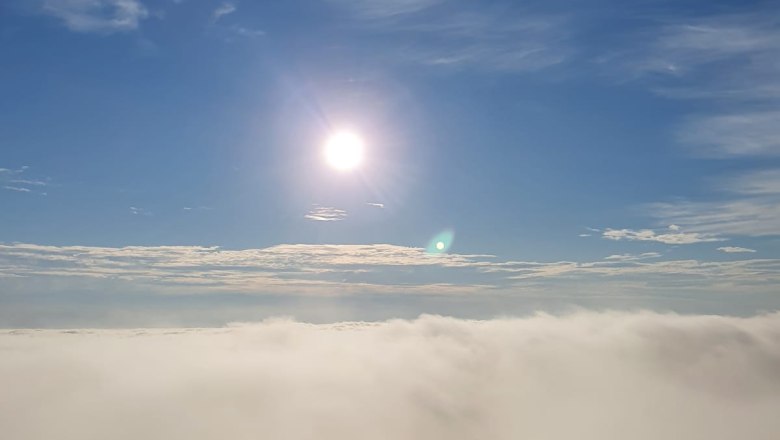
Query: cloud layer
pixel 586 376
pixel 304 269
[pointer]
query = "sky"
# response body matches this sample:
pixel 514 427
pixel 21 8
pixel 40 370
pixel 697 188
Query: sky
pixel 384 219
pixel 162 162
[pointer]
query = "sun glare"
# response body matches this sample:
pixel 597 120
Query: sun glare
pixel 344 151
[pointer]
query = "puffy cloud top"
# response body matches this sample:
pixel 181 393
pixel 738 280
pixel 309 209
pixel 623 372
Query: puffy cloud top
pixel 586 376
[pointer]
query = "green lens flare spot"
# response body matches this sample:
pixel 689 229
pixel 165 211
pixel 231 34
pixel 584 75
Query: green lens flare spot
pixel 441 242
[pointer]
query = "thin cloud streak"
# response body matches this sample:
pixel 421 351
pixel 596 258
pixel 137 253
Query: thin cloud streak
pixel 101 16
pixel 673 237
pixel 735 249
pixel 223 9
pixel 460 37
pixel 735 134
pixel 351 269
pixel 749 205
pixel 375 9
pixel 326 214
pixel 17 189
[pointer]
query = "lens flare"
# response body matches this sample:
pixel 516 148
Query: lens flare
pixel 441 242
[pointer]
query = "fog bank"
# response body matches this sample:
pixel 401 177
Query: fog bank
pixel 585 376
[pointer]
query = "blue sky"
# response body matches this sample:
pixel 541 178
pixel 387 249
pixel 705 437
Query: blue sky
pixel 161 162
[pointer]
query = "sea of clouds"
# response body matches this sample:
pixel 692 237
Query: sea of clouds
pixel 588 375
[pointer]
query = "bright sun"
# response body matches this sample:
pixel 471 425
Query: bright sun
pixel 344 151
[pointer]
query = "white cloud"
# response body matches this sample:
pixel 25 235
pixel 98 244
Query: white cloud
pixel 735 249
pixel 29 182
pixel 17 188
pixel 10 172
pixel 105 16
pixel 735 134
pixel 749 205
pixel 11 180
pixel 464 37
pixel 139 211
pixel 675 237
pixel 723 57
pixel 223 9
pixel 301 269
pixel 377 205
pixel 587 376
pixel 633 257
pixel 726 59
pixel 242 31
pixel 384 8
pixel 326 214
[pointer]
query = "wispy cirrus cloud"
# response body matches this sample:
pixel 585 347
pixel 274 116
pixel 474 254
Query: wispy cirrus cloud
pixel 222 10
pixel 12 179
pixel 671 236
pixel 748 204
pixel 102 16
pixel 459 36
pixel 633 257
pixel 13 171
pixel 727 56
pixel 725 59
pixel 29 182
pixel 17 188
pixel 326 214
pixel 230 32
pixel 735 250
pixel 748 133
pixel 140 211
pixel 384 8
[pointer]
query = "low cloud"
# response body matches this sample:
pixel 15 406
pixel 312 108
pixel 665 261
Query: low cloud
pixel 588 376
pixel 327 270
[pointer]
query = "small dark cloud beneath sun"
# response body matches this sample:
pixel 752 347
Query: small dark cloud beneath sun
pixel 325 214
